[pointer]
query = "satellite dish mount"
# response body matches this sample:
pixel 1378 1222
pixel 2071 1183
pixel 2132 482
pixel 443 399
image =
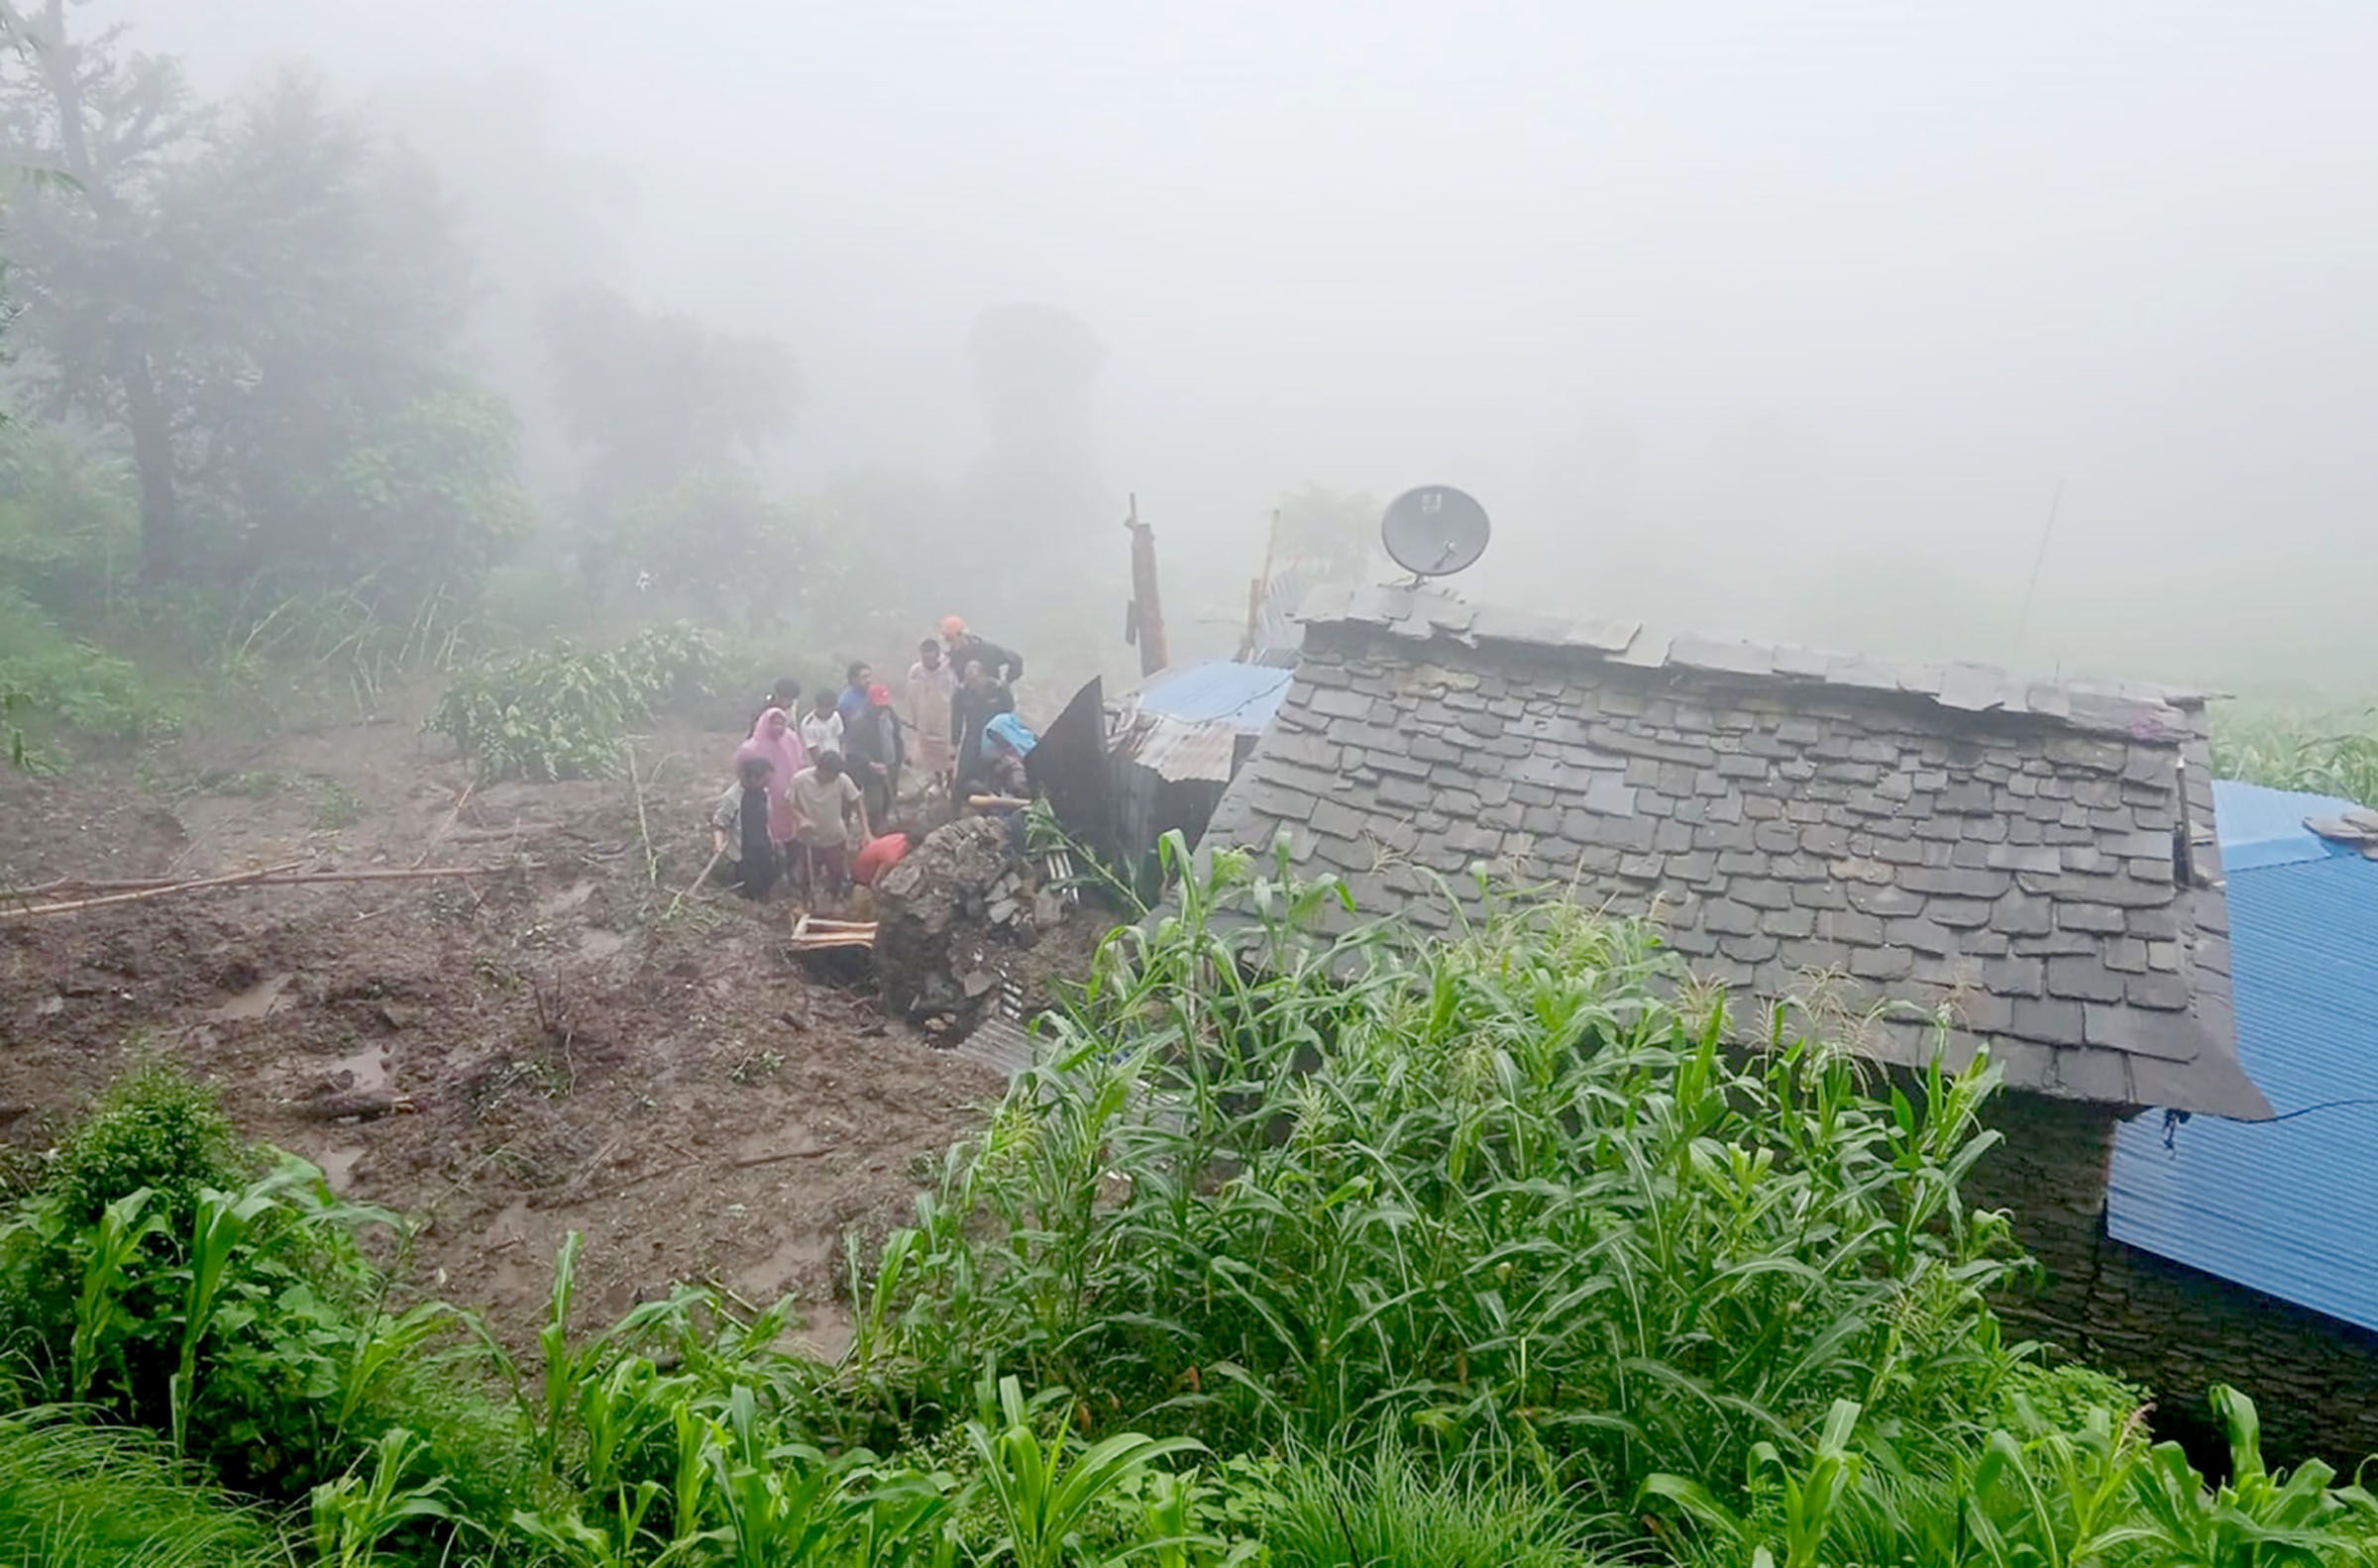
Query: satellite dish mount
pixel 1434 531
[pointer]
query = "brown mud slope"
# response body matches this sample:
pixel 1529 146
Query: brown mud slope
pixel 508 1056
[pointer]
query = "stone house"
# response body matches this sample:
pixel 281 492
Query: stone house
pixel 2035 859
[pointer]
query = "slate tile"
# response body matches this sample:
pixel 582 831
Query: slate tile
pixel 1983 1013
pixel 2024 857
pixel 1609 797
pixel 2097 1074
pixel 1881 962
pixel 1821 895
pixel 1960 913
pixel 2015 977
pixel 1920 935
pixel 1893 899
pixel 1340 703
pixel 1760 894
pixel 1852 927
pixel 1792 923
pixel 1814 957
pixel 2127 955
pixel 1958 882
pixel 2084 977
pixel 2139 1031
pixel 2058 944
pixel 2050 1021
pixel 1725 918
pixel 1825 840
pixel 1757 948
pixel 2162 992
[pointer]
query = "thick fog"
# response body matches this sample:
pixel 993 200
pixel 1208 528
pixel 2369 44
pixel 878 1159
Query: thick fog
pixel 1788 320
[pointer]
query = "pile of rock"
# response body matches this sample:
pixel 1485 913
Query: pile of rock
pixel 943 914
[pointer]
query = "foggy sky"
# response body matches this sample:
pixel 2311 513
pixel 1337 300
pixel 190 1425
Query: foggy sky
pixel 1721 308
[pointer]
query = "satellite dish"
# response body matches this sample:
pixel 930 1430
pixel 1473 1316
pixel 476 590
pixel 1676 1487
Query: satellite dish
pixel 1435 531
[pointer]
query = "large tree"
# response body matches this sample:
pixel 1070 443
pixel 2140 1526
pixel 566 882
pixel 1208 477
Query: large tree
pixel 651 398
pixel 259 296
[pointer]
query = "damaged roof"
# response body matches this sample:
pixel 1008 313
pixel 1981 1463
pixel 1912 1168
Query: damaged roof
pixel 2033 858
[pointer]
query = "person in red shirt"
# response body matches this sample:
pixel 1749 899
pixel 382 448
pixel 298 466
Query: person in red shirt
pixel 879 856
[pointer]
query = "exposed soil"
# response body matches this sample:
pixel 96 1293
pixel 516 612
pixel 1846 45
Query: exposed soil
pixel 511 1056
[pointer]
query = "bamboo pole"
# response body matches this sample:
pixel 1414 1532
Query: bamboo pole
pixel 697 880
pixel 269 878
pixel 447 826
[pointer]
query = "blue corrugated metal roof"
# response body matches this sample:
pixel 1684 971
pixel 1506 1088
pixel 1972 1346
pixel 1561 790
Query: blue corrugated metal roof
pixel 2265 827
pixel 1245 695
pixel 2288 1207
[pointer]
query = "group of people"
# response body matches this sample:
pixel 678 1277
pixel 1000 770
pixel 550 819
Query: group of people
pixel 814 791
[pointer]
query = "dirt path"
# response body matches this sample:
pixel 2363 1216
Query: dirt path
pixel 569 1057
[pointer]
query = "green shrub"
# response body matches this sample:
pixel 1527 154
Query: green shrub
pixel 154 1278
pixel 155 1127
pixel 561 712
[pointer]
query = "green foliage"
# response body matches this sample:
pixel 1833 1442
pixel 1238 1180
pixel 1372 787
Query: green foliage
pixel 430 499
pixel 2033 1493
pixel 1343 1512
pixel 717 543
pixel 53 681
pixel 78 1495
pixel 150 1278
pixel 1492 1189
pixel 2333 753
pixel 560 713
pixel 154 1129
pixel 69 522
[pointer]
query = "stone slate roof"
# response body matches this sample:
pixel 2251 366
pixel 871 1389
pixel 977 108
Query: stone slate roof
pixel 1942 836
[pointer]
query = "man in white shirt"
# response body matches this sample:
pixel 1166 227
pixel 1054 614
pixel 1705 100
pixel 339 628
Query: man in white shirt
pixel 822 726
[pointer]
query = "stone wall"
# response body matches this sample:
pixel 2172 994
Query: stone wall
pixel 2170 1327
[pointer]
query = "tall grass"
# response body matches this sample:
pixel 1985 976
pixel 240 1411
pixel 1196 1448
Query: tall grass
pixel 2333 753
pixel 1496 1191
pixel 80 1496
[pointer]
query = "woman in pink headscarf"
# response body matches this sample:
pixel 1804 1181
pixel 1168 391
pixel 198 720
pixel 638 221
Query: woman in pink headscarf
pixel 775 738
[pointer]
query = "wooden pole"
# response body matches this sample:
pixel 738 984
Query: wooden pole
pixel 1146 604
pixel 1257 589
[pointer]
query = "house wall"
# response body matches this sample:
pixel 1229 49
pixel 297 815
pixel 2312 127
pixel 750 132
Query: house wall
pixel 2172 1328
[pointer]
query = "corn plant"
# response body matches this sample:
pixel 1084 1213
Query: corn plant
pixel 112 1245
pixel 354 1514
pixel 1045 1503
pixel 222 1222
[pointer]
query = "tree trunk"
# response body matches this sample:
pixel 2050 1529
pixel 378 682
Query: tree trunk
pixel 152 460
pixel 149 426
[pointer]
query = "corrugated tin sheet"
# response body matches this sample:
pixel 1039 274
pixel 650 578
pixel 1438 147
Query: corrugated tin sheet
pixel 1174 749
pixel 1243 695
pixel 2287 1206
